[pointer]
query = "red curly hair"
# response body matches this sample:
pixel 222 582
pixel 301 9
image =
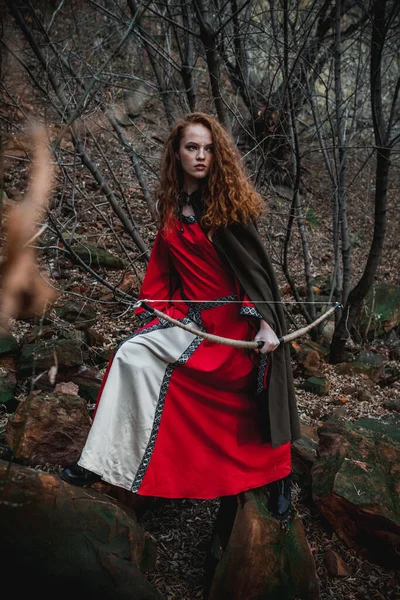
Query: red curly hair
pixel 228 195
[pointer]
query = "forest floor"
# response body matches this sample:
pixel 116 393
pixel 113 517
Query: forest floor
pixel 182 528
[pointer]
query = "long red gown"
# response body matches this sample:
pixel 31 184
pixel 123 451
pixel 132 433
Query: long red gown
pixel 201 437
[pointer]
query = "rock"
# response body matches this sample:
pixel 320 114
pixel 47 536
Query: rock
pixel 310 360
pixel 130 283
pixel 80 315
pixel 97 257
pixel 8 345
pixel 356 485
pixel 355 240
pixel 316 385
pixel 335 565
pixel 49 429
pixel 364 395
pixel 252 557
pixel 349 390
pixel 328 330
pixel 88 380
pixel 7 388
pixel 393 405
pixel 381 309
pixel 303 453
pixel 139 504
pixel 40 356
pixel 66 388
pixel 394 354
pixel 367 362
pixel 94 338
pixel 68 541
pixel 51 332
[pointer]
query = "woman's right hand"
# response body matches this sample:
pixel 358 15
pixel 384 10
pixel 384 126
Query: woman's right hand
pixel 267 335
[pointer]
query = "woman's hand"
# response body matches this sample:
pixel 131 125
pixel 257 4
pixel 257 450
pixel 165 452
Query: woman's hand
pixel 267 335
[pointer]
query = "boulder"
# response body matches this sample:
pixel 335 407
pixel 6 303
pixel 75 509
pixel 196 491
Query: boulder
pixel 367 362
pixel 304 454
pixel 65 541
pixel 40 355
pixel 49 429
pixel 253 557
pixel 356 485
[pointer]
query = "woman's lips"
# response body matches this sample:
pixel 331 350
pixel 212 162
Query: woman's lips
pixel 200 167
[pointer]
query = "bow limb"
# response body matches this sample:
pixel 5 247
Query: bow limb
pixel 203 334
pixel 300 332
pixel 252 345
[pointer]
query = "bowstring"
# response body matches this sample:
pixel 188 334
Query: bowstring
pixel 234 301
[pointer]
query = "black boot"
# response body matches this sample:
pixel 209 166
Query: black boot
pixel 280 497
pixel 80 476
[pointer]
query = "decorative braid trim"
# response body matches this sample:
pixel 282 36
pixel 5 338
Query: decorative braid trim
pixel 250 311
pixel 159 410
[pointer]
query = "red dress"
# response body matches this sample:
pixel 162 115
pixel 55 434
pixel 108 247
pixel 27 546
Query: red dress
pixel 204 440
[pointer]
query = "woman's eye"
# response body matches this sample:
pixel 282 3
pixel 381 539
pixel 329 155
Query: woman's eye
pixel 210 149
pixel 190 147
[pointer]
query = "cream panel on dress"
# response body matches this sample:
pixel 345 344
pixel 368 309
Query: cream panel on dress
pixel 123 432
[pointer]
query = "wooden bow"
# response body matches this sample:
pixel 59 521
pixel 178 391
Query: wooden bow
pixel 253 345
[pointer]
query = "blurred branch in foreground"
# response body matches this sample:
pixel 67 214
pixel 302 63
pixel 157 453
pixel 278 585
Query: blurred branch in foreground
pixel 24 291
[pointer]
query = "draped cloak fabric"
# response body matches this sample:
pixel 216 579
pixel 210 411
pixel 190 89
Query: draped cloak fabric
pixel 176 415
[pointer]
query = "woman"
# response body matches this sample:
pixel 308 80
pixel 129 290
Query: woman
pixel 179 416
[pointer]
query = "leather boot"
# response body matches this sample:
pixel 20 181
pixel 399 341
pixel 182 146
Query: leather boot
pixel 77 475
pixel 280 497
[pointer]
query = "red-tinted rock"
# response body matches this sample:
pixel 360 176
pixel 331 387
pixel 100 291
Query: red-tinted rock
pixel 252 557
pixel 335 565
pixel 49 429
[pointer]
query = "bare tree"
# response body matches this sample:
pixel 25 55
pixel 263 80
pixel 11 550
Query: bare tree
pixel 384 15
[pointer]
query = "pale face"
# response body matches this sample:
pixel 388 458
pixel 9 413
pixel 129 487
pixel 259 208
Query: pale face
pixel 195 155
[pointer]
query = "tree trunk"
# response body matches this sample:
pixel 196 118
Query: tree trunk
pixel 353 307
pixel 352 310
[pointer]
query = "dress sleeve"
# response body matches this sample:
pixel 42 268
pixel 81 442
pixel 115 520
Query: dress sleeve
pixel 248 309
pixel 160 280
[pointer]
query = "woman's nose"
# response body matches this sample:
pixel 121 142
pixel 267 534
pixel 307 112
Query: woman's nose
pixel 201 154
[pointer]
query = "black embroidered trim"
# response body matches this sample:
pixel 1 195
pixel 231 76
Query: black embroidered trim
pixel 261 373
pixel 146 314
pixel 159 410
pixel 195 308
pixel 250 311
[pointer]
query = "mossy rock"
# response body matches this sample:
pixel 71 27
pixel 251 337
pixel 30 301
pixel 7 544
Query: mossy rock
pixel 97 257
pixel 356 484
pixel 40 356
pixel 7 389
pixel 9 345
pixel 80 315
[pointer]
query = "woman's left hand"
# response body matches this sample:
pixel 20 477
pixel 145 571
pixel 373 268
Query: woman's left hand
pixel 267 335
